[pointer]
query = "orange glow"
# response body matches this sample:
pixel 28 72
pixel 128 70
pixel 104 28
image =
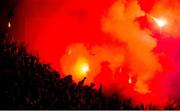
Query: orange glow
pixel 81 68
pixel 69 52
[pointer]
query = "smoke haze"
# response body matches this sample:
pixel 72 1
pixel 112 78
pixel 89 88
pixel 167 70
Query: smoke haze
pixel 118 40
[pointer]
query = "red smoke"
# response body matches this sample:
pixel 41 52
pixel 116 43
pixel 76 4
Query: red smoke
pixel 113 42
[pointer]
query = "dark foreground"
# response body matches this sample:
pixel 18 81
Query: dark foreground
pixel 26 83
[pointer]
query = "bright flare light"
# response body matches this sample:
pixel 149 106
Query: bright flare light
pixel 130 80
pixel 81 68
pixel 85 68
pixel 9 24
pixel 160 22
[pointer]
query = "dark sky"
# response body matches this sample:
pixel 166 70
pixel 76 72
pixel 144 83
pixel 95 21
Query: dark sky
pixel 6 6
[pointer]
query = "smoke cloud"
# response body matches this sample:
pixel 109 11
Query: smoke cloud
pixel 121 24
pixel 115 43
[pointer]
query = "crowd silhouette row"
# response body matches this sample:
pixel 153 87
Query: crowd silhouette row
pixel 25 83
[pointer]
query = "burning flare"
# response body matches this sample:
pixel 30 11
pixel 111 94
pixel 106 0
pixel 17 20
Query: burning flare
pixel 9 24
pixel 130 80
pixel 81 68
pixel 84 68
pixel 160 21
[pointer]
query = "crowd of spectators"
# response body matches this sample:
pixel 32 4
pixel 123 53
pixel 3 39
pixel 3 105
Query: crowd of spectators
pixel 25 83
